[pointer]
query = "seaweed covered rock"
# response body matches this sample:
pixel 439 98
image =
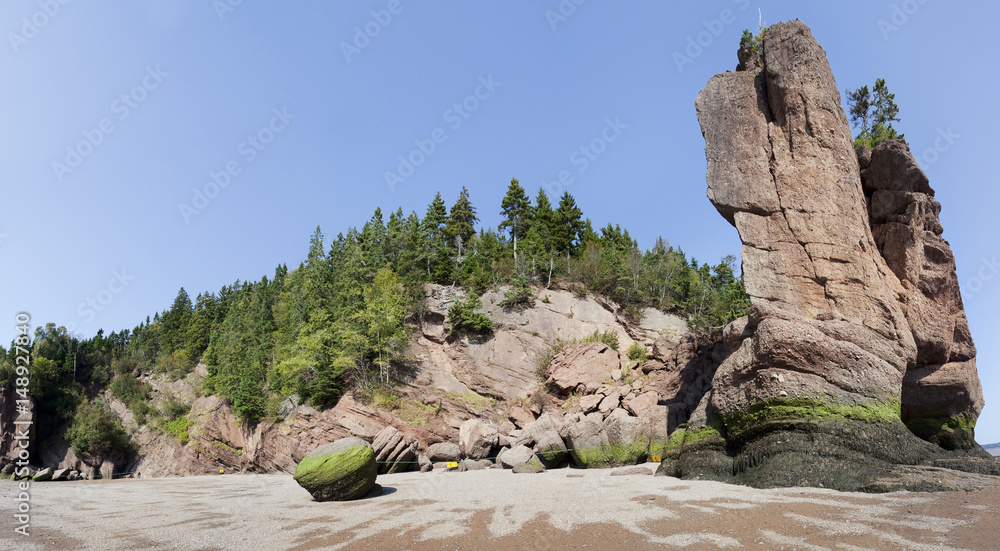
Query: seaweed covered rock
pixel 594 441
pixel 817 376
pixel 339 471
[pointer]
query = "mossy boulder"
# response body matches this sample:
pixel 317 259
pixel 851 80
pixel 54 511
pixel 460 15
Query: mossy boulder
pixel 339 471
pixel 611 442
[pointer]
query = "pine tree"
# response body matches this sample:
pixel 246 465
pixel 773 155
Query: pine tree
pixel 568 225
pixel 543 220
pixel 461 226
pixel 516 210
pixel 373 242
pixel 175 322
pixel 874 117
pixel 433 225
pixel 200 328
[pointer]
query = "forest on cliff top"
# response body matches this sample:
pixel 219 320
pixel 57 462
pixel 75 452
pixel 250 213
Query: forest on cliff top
pixel 341 319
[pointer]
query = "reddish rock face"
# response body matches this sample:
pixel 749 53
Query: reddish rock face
pixel 582 365
pixel 853 316
pixel 781 168
pixel 941 387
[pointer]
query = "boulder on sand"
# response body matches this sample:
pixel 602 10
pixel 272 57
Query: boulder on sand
pixel 444 452
pixel 518 455
pixel 339 471
pixel 477 439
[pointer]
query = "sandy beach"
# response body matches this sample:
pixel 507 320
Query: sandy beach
pixel 493 509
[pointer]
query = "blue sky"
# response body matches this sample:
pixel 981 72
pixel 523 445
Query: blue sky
pixel 301 118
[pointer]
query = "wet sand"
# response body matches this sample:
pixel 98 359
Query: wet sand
pixel 494 509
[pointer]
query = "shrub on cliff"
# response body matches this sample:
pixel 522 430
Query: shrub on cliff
pixel 95 431
pixel 519 294
pixel 464 319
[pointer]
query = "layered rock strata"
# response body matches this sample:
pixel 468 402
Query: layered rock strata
pixel 941 396
pixel 837 343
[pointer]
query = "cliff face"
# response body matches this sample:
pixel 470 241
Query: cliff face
pixel 941 395
pixel 498 379
pixel 840 345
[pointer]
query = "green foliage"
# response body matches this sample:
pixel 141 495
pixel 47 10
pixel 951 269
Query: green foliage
pixel 519 295
pixel 637 353
pixel 461 225
pixel 173 408
pixel 176 364
pixel 130 390
pixel 609 337
pixel 472 400
pixel 133 393
pixel 223 446
pixel 179 429
pixel 386 399
pixel 546 356
pixel 872 113
pixel 382 318
pixel 753 42
pixel 415 413
pixel 95 432
pixel 463 317
pixel 516 210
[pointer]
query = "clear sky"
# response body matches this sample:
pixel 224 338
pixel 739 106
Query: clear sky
pixel 123 119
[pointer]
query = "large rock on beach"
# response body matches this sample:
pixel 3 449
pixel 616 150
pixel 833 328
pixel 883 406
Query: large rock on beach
pixel 339 471
pixel 850 330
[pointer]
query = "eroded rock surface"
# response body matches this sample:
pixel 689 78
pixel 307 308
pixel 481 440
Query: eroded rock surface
pixel 942 396
pixel 812 387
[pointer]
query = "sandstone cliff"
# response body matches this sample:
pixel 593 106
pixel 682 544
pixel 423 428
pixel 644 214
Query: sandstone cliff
pixel 498 381
pixel 856 322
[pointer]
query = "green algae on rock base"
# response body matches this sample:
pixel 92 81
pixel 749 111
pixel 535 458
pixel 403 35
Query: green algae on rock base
pixel 611 455
pixel 339 471
pixel 810 409
pixel 955 432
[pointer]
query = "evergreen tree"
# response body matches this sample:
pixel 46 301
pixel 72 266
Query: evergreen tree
pixel 567 225
pixel 461 226
pixel 373 242
pixel 175 322
pixel 516 211
pixel 543 220
pixel 394 236
pixel 200 328
pixel 885 110
pixel 873 116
